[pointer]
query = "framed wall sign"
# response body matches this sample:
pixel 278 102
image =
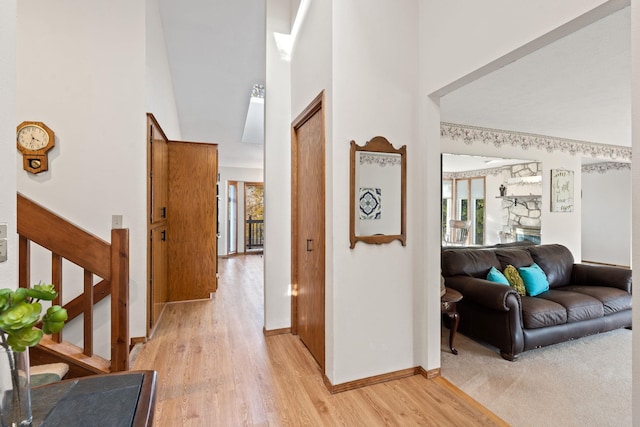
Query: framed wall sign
pixel 561 190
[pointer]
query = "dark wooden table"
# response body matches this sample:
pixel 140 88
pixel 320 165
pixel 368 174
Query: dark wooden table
pixel 448 306
pixel 124 399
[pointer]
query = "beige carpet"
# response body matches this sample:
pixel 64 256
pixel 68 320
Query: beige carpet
pixel 584 382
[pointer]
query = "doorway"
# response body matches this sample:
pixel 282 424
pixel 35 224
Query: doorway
pixel 254 216
pixel 182 219
pixel 308 229
pixel 232 217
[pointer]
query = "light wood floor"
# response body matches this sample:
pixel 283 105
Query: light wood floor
pixel 216 368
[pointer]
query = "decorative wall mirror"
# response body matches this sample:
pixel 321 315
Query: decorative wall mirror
pixel 378 183
pixel 500 197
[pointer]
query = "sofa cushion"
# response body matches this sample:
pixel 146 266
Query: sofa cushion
pixel 556 261
pixel 579 306
pixel 468 262
pixel 613 300
pixel 538 313
pixel 514 256
pixel 535 281
pixel 496 276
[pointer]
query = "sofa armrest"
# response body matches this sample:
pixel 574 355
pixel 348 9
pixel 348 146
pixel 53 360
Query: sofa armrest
pixel 601 275
pixel 483 292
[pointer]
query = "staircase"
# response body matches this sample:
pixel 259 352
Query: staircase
pixel 107 260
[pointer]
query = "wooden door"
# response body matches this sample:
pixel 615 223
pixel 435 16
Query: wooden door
pixel 308 240
pixel 192 220
pixel 158 273
pixel 159 174
pixel 157 190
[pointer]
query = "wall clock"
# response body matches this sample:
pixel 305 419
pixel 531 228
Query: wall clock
pixel 35 139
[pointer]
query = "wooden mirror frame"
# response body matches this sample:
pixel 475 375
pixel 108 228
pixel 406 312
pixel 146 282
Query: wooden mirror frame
pixel 378 144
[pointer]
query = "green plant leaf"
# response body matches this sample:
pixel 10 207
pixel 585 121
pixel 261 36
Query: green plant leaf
pixel 53 320
pixel 4 302
pixel 20 340
pixel 52 327
pixel 55 314
pixel 20 316
pixel 18 296
pixel 43 292
pixel 20 311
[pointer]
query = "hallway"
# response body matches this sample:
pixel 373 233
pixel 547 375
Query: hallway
pixel 215 367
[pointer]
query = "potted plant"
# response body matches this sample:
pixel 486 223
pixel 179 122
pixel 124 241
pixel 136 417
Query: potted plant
pixel 20 312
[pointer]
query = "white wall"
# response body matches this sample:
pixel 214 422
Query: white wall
pixel 493 209
pixel 369 89
pixel 375 73
pixel 606 217
pixel 160 98
pixel 241 175
pixel 89 87
pixel 277 172
pixel 8 152
pixel 455 54
pixel 311 61
pixel 635 199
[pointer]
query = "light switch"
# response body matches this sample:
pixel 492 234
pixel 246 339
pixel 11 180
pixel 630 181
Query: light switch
pixel 3 250
pixel 3 231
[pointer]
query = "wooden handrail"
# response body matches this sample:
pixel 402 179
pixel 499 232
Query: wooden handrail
pixel 110 261
pixel 82 248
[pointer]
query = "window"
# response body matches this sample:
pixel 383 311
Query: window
pixel 446 204
pixel 469 196
pixel 477 215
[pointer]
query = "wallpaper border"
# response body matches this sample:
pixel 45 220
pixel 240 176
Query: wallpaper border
pixel 500 138
pixel 604 167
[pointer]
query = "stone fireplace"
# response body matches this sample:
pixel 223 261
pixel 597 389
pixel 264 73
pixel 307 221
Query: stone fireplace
pixel 531 234
pixel 522 204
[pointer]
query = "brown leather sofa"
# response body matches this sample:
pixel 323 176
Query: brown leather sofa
pixel 581 300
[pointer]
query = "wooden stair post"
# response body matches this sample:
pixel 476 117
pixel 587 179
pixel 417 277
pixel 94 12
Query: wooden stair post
pixel 119 300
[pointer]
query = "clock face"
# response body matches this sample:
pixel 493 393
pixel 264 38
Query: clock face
pixel 33 137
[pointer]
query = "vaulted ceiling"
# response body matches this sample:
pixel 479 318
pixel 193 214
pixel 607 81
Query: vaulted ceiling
pixel 576 88
pixel 216 51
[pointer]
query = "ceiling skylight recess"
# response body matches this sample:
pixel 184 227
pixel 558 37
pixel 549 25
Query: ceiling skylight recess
pixel 254 123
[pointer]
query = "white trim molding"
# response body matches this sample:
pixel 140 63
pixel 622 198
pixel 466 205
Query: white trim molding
pixel 524 169
pixel 604 167
pixel 476 173
pixel 499 138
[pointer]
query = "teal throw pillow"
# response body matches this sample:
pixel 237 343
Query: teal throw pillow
pixel 535 279
pixel 496 276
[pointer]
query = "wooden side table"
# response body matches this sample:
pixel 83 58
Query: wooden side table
pixel 448 303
